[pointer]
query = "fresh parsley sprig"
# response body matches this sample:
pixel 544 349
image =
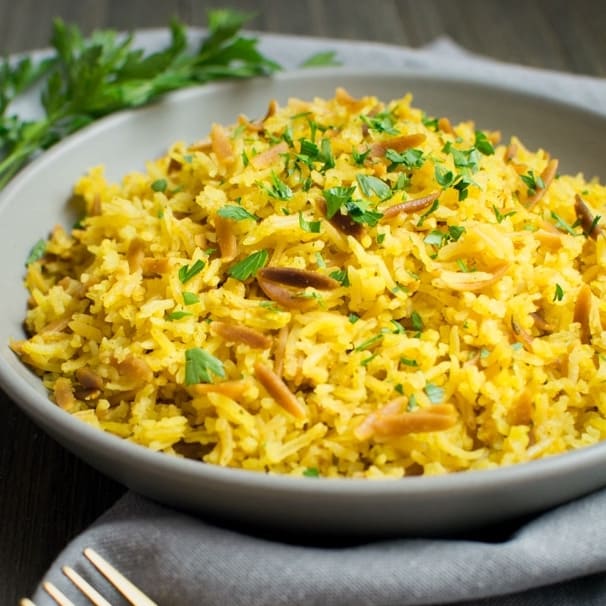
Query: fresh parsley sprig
pixel 87 78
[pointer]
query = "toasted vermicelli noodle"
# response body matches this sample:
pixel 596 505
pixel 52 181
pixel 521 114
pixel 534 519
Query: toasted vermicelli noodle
pixel 344 288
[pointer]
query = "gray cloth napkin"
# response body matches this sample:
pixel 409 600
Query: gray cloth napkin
pixel 555 559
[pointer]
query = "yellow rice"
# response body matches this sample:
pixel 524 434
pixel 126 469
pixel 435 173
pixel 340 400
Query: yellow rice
pixel 483 310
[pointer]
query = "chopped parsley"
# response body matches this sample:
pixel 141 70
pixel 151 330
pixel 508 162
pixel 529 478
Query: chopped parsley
pixel 360 157
pixel 562 224
pixel 313 227
pixel 358 210
pixel 434 393
pixel 382 123
pixel 177 315
pixel 159 185
pixel 416 321
pixel 310 153
pixel 463 266
pixel 287 136
pixel 461 185
pixel 322 59
pixel 187 272
pixel 483 144
pixel 36 253
pixel 235 212
pixel 368 360
pixel 340 275
pixel 466 159
pixel 409 362
pixel 429 211
pixel 444 177
pixel 189 298
pixel 335 198
pixel 353 318
pixel 248 267
pixel 311 472
pixel 533 182
pixel 500 217
pixel 279 189
pixel 411 158
pixel 369 342
pixel 558 295
pixel 412 402
pixel 360 213
pixel 430 122
pixel 402 182
pixel 373 185
pixel 398 329
pixel 199 365
pixel 439 238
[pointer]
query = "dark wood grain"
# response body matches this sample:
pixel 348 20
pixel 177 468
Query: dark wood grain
pixel 47 495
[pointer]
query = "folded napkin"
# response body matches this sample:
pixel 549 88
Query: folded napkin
pixel 555 559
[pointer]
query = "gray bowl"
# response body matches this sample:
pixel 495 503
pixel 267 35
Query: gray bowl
pixel 37 199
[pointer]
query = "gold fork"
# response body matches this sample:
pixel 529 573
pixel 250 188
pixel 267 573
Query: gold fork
pixel 132 593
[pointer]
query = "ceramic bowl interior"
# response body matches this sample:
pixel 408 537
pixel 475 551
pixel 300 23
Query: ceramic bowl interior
pixel 39 198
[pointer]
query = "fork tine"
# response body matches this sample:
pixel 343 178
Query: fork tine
pixel 132 593
pixel 57 595
pixel 88 590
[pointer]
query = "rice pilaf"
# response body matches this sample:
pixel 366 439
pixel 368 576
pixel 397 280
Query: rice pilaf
pixel 344 288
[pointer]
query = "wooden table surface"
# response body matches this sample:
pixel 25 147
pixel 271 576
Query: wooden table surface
pixel 47 495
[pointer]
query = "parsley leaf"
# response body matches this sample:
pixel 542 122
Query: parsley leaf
pixel 189 298
pixel 279 189
pixel 36 253
pixel 235 212
pixel 359 212
pixel 313 227
pixel 562 224
pixel 411 158
pixel 335 198
pixel 434 393
pixel 159 185
pixel 434 206
pixel 382 123
pixel 340 275
pixel 322 59
pixel 187 272
pixel 248 267
pixel 369 342
pixel 444 177
pixel 483 144
pixel 311 472
pixel 373 185
pixel 360 157
pixel 558 295
pixel 177 315
pixel 87 78
pixel 199 365
pixel 310 153
pixel 500 217
pixel 533 182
